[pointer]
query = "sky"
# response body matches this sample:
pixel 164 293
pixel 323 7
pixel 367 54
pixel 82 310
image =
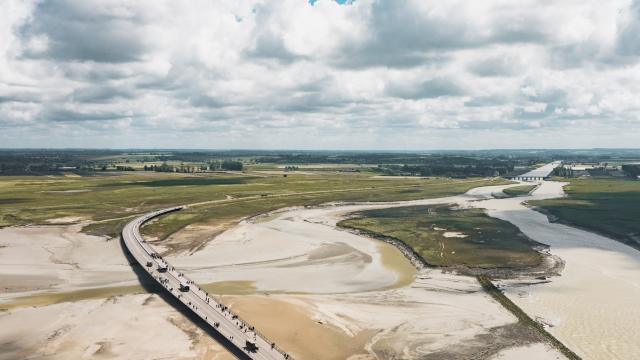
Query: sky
pixel 294 74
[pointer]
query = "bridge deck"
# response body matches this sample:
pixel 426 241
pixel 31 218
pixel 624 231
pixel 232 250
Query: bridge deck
pixel 216 314
pixel 539 173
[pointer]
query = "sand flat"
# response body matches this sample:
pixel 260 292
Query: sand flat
pixel 45 265
pixel 294 329
pixel 528 352
pixel 130 327
pixel 290 253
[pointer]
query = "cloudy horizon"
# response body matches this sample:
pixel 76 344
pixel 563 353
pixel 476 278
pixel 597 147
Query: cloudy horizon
pixel 293 74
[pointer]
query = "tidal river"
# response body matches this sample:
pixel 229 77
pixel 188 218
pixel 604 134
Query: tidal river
pixel 594 306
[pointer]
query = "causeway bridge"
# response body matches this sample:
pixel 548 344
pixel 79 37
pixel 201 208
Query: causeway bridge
pixel 239 333
pixel 538 174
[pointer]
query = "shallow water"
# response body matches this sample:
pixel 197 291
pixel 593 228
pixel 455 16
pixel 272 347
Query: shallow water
pixel 394 260
pixel 230 287
pixel 50 297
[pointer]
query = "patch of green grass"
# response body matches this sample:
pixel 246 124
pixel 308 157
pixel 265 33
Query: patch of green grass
pixel 110 228
pixel 448 237
pixel 519 190
pixel 610 206
pixel 187 181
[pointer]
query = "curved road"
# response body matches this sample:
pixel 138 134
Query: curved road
pixel 216 314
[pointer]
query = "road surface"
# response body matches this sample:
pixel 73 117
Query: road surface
pixel 238 332
pixel 540 173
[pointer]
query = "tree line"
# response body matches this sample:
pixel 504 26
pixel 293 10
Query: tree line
pixel 225 165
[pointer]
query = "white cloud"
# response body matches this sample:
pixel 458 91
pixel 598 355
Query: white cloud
pixel 371 74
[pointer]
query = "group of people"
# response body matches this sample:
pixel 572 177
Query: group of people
pixel 222 308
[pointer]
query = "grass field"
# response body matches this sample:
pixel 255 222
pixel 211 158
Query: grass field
pixel 609 206
pixel 365 189
pixel 110 199
pixel 519 190
pixel 447 237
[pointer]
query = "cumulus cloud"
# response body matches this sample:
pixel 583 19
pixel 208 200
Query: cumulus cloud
pixel 432 88
pixel 290 73
pixel 628 44
pixel 83 31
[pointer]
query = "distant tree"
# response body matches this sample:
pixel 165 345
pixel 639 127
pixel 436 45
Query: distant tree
pixel 232 165
pixel 633 170
pixel 164 168
pixel 562 171
pixel 124 168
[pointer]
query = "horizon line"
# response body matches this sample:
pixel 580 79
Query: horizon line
pixel 312 150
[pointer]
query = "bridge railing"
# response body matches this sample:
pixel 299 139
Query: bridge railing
pixel 147 249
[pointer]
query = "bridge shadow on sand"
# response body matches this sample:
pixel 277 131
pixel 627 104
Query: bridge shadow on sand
pixel 151 286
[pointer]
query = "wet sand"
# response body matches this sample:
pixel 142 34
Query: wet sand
pixel 56 297
pixel 286 253
pixel 529 352
pixel 296 331
pixel 67 295
pixel 129 327
pixel 59 257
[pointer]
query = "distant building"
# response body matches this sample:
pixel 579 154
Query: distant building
pixel 581 167
pixel 580 173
